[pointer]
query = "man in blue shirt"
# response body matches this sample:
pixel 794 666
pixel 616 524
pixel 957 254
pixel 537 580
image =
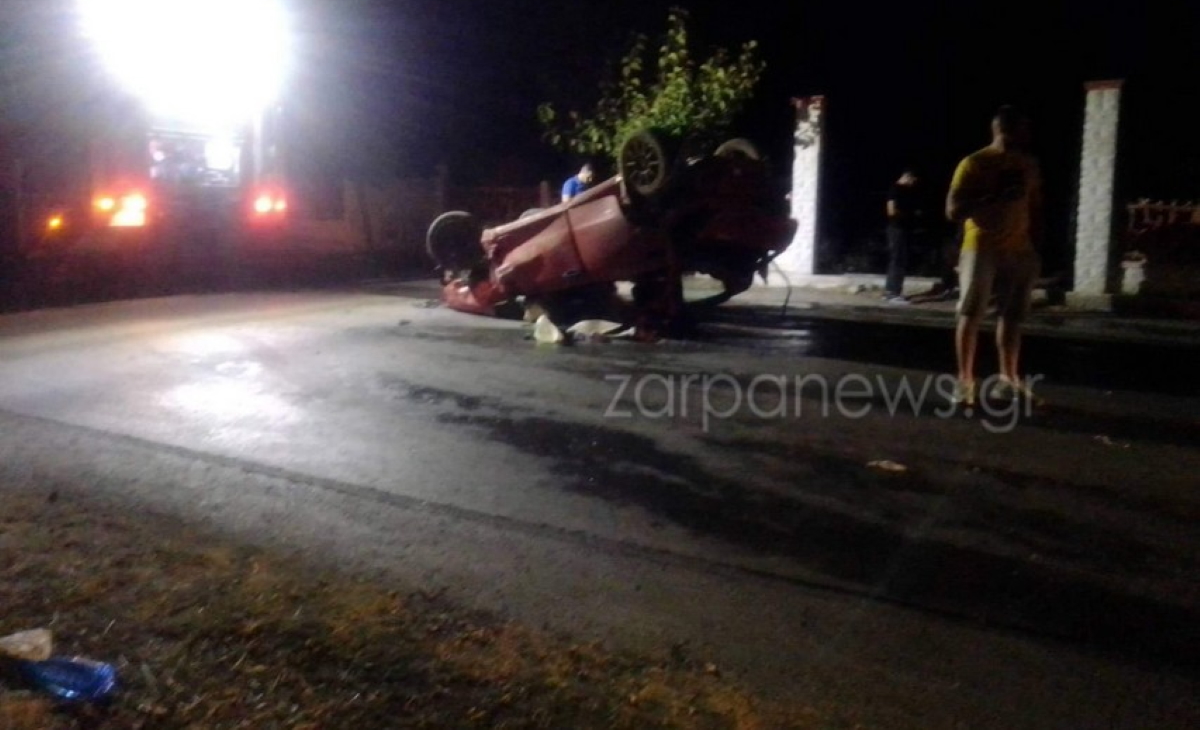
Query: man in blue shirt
pixel 577 183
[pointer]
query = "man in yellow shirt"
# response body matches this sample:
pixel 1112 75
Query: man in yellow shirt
pixel 997 195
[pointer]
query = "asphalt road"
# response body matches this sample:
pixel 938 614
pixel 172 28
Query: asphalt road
pixel 1022 570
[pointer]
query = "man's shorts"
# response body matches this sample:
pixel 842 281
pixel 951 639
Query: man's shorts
pixel 1007 275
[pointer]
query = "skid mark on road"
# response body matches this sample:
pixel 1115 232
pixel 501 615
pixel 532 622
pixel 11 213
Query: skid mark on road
pixel 957 584
pixel 888 559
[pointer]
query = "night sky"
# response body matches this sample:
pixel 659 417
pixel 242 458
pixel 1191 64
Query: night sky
pixel 382 87
pixel 457 81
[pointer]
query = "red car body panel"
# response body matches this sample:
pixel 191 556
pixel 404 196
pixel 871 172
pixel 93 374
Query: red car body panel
pixel 591 239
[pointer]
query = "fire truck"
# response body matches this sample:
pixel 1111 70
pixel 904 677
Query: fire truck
pixel 155 184
pixel 182 149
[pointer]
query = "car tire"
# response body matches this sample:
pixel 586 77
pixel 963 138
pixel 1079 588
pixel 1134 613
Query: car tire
pixel 453 241
pixel 644 164
pixel 738 147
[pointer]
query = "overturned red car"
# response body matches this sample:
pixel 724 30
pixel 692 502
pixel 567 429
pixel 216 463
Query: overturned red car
pixel 662 217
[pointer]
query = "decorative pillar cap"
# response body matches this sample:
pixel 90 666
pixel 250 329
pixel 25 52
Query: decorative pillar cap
pixel 1103 84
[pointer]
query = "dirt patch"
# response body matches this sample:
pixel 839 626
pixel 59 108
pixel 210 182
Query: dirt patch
pixel 207 633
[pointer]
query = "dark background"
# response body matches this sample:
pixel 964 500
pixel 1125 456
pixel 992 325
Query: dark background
pixel 916 82
pixel 383 88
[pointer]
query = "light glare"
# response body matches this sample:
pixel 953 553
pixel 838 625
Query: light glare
pixel 221 154
pixel 130 212
pixel 212 62
pixel 128 218
pixel 135 202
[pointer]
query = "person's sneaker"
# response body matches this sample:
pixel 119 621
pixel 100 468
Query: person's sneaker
pixel 964 392
pixel 896 299
pixel 1006 389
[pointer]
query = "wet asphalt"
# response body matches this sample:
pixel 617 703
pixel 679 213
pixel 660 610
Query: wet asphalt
pixel 1103 364
pixel 1021 569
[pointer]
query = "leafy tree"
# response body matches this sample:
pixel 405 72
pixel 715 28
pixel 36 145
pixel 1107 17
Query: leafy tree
pixel 673 92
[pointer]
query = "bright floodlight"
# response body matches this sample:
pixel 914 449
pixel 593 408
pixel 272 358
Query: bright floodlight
pixel 209 62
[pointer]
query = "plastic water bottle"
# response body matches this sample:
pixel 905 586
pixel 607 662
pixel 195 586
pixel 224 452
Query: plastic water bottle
pixel 73 679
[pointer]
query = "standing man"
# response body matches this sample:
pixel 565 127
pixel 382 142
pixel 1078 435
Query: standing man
pixel 577 183
pixel 997 195
pixel 904 214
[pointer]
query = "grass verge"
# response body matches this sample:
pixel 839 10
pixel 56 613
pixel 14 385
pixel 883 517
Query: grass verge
pixel 208 633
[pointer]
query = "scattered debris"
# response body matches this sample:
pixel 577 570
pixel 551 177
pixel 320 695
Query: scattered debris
pixel 1105 440
pixel 71 679
pixel 599 330
pixel 592 327
pixel 886 465
pixel 546 332
pixel 35 645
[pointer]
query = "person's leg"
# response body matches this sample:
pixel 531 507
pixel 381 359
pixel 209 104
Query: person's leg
pixel 904 249
pixel 976 273
pixel 894 283
pixel 1018 274
pixel 966 341
pixel 1008 346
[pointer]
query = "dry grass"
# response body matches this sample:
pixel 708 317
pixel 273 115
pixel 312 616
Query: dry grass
pixel 208 634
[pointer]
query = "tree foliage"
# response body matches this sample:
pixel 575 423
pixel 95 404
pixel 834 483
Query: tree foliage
pixel 672 91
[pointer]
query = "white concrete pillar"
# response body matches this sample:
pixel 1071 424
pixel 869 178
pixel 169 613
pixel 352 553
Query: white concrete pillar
pixel 800 259
pixel 1097 173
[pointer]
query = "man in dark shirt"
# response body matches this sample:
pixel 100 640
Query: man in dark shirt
pixel 904 215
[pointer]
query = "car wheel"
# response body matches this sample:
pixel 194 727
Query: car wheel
pixel 738 147
pixel 644 162
pixel 453 241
